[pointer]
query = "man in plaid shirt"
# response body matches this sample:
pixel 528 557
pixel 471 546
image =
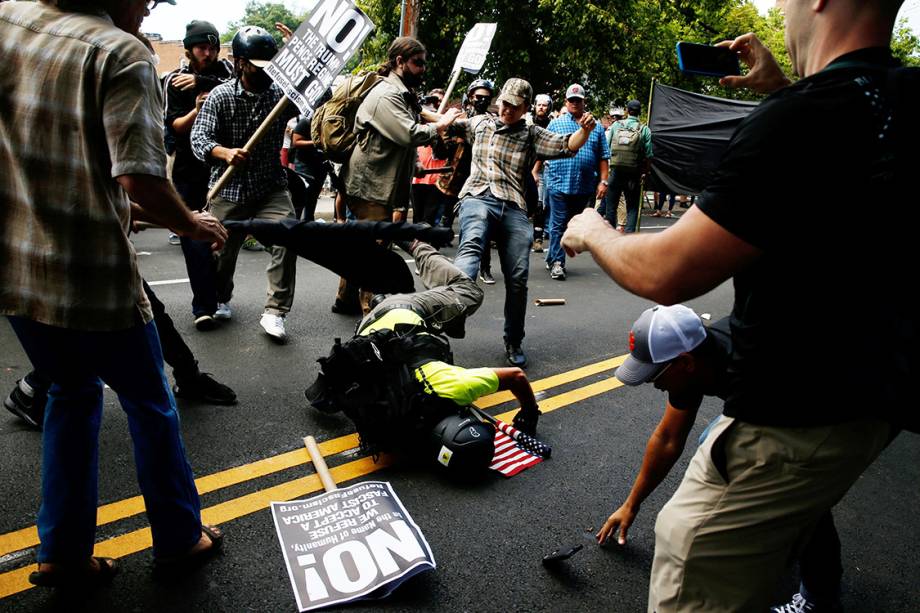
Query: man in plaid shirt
pixel 572 184
pixel 69 283
pixel 492 199
pixel 228 118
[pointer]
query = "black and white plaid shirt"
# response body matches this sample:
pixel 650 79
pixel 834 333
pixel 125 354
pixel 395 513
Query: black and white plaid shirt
pixel 228 118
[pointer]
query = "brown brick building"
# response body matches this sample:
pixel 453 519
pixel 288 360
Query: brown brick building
pixel 172 52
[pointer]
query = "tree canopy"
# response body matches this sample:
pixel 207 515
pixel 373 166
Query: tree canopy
pixel 615 49
pixel 265 15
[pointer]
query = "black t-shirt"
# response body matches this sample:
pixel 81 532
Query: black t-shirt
pixel 821 328
pixel 187 168
pixel 719 336
pixel 306 155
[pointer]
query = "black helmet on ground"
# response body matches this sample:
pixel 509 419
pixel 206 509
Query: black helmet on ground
pixel 254 44
pixel 463 445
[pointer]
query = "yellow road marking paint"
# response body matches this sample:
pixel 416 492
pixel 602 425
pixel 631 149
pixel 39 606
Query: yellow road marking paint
pixel 108 513
pixel 16 581
pixel 549 382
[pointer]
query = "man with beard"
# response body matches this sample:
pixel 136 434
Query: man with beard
pixel 227 119
pixel 378 175
pixel 542 107
pixel 186 90
pixel 493 203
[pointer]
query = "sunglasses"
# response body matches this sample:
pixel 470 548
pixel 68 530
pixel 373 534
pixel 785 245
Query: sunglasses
pixel 418 62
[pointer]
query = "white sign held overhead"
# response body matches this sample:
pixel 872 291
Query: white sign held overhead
pixel 306 66
pixel 475 48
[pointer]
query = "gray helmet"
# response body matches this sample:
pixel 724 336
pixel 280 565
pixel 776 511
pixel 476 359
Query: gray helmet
pixel 254 44
pixel 481 84
pixel 463 444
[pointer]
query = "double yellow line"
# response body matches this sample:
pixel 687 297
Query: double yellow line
pixel 15 581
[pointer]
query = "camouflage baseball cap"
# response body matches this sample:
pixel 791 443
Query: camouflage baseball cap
pixel 516 92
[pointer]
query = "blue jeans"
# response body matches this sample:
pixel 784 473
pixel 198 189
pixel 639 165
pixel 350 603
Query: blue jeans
pixel 199 258
pixel 562 208
pixel 484 218
pixel 628 183
pixel 131 362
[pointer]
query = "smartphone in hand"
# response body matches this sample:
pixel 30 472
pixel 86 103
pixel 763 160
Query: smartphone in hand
pixel 707 60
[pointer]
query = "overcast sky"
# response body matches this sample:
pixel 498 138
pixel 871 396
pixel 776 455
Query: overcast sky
pixel 169 21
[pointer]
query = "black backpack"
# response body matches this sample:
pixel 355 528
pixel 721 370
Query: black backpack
pixel 371 379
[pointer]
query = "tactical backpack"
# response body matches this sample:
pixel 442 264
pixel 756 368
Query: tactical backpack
pixel 371 379
pixel 333 124
pixel 626 146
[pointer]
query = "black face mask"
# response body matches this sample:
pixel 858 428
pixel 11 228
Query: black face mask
pixel 481 105
pixel 258 80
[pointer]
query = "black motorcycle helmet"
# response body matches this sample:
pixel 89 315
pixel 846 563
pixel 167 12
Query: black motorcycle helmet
pixel 463 445
pixel 254 44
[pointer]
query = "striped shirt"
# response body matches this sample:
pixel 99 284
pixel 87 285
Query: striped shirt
pixel 578 174
pixel 502 154
pixel 228 118
pixel 81 105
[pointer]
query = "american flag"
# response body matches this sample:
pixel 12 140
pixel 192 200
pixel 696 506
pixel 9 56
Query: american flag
pixel 516 451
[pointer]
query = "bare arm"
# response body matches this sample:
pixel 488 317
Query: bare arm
pixel 515 381
pixel 604 172
pixel 661 453
pixel 183 125
pixel 156 201
pixel 301 142
pixel 701 255
pixel 580 137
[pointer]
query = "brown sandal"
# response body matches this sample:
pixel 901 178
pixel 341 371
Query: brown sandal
pixel 192 559
pixel 70 576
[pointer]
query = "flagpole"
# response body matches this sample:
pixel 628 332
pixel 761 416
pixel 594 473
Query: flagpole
pixel 450 90
pixel 651 91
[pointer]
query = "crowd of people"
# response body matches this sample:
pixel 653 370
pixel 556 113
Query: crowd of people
pixel 508 171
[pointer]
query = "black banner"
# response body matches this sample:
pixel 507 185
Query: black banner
pixel 689 134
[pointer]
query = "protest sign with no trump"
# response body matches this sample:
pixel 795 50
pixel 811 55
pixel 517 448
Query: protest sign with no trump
pixel 306 66
pixel 347 544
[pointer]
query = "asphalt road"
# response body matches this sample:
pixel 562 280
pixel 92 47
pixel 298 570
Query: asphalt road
pixel 488 539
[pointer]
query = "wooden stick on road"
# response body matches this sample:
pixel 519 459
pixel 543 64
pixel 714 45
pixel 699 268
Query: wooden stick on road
pixel 320 464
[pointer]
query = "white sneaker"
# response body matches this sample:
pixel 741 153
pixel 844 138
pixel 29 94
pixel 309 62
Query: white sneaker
pixel 223 312
pixel 557 272
pixel 798 605
pixel 273 326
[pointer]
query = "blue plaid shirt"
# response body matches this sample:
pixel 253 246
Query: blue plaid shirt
pixel 577 174
pixel 228 118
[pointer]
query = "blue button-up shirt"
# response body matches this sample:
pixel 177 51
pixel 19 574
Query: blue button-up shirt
pixel 577 174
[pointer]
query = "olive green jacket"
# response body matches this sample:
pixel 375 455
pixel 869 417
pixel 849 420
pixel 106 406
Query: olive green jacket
pixel 382 164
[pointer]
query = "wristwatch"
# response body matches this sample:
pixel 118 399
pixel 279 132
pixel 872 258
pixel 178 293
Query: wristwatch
pixel 604 181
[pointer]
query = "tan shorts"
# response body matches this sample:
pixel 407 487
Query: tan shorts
pixel 748 502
